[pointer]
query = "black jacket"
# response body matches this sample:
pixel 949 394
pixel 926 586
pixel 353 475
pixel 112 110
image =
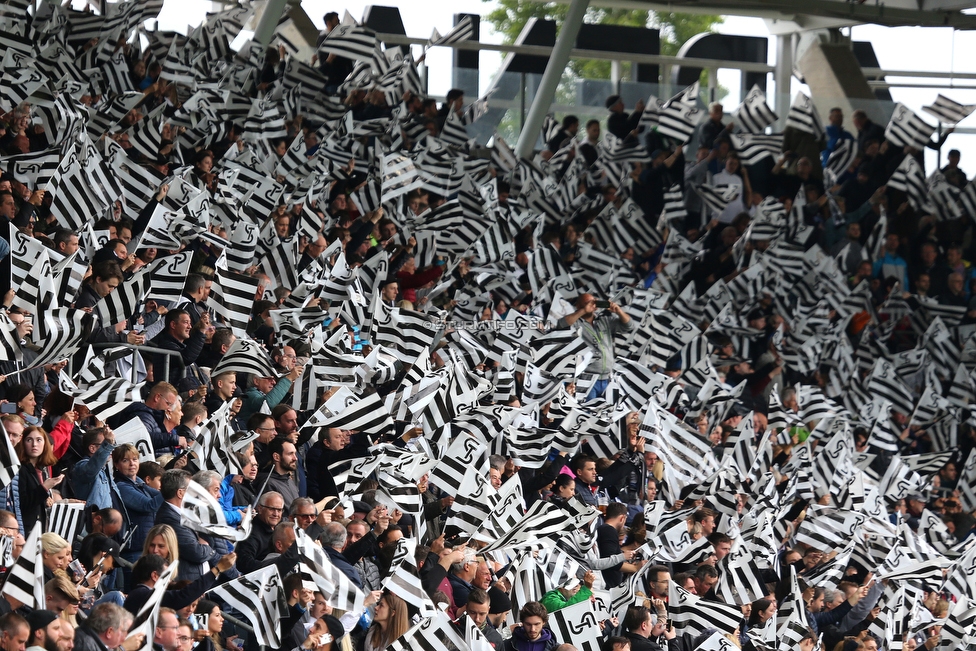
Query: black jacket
pixel 188 351
pixel 33 497
pixel 175 599
pixel 608 542
pixel 252 550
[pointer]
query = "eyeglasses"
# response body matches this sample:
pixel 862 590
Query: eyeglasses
pixel 265 429
pixel 309 516
pixel 272 508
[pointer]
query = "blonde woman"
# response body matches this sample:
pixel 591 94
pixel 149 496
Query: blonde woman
pixel 56 554
pixel 161 540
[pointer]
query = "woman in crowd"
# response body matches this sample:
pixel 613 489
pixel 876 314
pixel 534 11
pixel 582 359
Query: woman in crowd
pixel 34 479
pixel 215 623
pixel 161 540
pixel 141 501
pixel 390 621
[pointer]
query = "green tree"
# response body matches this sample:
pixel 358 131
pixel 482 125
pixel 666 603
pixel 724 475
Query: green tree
pixel 510 16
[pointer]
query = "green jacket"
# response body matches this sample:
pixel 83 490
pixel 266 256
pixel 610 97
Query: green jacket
pixel 554 599
pixel 252 399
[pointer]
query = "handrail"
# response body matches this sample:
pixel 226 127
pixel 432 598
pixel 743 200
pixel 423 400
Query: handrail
pixel 141 349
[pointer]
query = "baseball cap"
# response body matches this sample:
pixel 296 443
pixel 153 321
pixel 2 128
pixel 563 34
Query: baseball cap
pixel 109 547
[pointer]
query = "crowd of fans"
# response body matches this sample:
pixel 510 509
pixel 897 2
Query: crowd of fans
pixel 133 526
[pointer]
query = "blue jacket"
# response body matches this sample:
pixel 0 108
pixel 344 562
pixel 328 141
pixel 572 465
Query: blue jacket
pixel 193 554
pixel 341 564
pixel 231 512
pixel 91 479
pixel 143 502
pixel 891 265
pixel 10 498
pixel 153 420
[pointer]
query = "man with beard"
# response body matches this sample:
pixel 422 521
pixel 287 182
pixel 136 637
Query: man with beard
pixel 67 641
pixel 14 632
pixel 45 631
pixel 284 460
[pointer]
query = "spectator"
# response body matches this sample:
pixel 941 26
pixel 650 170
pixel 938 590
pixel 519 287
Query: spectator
pixel 531 633
pixel 599 333
pixel 194 555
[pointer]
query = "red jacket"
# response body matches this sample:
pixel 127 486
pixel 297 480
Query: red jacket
pixel 410 282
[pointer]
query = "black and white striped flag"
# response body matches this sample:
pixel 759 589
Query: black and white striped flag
pixel 109 396
pixel 246 356
pixel 578 623
pixel 910 179
pixel 666 335
pixel 368 415
pixel 25 580
pixel 693 615
pixel 122 302
pixel 679 118
pixel 754 148
pixel 740 579
pixel 843 156
pixel 260 594
pixel 943 198
pixel 214 447
pixel 435 633
pixel 64 330
pixel 949 112
pixel 349 41
pixel 907 129
pixel 718 197
pixel 34 169
pixel 754 114
pixel 803 116
pixel 404 577
pixel 338 589
pixel 167 275
pixel 281 263
pixel 64 519
pixel 232 297
pixel 9 461
pixel 463 31
pixel 203 513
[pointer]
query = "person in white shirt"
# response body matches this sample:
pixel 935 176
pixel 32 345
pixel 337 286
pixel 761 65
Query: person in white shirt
pixel 733 174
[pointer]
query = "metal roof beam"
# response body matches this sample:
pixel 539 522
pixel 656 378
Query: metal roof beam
pixel 852 13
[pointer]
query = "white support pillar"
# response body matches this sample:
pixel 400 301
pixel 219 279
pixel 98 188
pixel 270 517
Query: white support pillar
pixel 783 76
pixel 269 21
pixel 550 79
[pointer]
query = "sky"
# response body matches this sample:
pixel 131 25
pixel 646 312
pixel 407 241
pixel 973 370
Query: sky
pixel 902 48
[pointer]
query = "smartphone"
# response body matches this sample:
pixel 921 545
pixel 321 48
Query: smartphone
pixel 603 305
pixel 8 408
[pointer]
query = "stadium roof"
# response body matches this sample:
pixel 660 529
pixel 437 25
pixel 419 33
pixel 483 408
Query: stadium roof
pixel 813 14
